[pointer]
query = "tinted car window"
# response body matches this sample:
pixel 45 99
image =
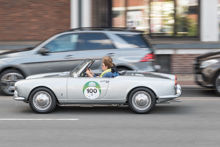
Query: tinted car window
pixel 63 43
pixel 95 41
pixel 134 40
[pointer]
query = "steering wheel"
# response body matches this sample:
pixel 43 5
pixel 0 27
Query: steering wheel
pixel 83 74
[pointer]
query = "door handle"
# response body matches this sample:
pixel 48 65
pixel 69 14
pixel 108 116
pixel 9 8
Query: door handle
pixel 111 54
pixel 69 56
pixel 104 81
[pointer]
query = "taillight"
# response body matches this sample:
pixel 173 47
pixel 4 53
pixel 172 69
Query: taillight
pixel 175 80
pixel 148 57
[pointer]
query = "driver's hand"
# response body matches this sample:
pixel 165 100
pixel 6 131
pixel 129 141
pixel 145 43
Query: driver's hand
pixel 91 71
pixel 88 72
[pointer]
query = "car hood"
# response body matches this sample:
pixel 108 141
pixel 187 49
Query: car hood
pixel 16 52
pixel 212 54
pixel 150 74
pixel 46 75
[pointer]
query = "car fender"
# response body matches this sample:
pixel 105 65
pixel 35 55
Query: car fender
pixel 56 85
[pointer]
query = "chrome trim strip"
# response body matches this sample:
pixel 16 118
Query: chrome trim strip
pixel 19 98
pixel 16 97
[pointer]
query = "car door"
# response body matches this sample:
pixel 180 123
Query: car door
pixel 87 89
pixel 61 57
pixel 95 45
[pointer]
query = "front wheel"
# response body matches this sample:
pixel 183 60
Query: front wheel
pixel 141 100
pixel 217 84
pixel 42 100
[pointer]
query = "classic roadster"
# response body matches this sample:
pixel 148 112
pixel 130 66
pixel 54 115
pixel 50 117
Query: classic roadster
pixel 140 90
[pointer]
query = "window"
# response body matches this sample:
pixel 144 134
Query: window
pixel 63 43
pixel 187 17
pixel 134 40
pixel 131 13
pixel 137 14
pixel 118 11
pixel 170 18
pixel 89 41
pixel 162 17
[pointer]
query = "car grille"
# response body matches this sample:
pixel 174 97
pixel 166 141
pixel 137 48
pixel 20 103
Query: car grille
pixel 197 66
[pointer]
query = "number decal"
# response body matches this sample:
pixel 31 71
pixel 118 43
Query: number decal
pixel 92 90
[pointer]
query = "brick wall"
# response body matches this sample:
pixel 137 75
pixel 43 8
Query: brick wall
pixel 118 3
pixel 183 63
pixel 23 20
pixel 135 3
pixel 121 3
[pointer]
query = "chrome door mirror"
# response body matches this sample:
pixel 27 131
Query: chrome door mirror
pixel 44 51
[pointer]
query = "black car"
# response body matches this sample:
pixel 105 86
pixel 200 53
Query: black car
pixel 207 70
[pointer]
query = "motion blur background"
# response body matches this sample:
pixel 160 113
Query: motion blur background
pixel 180 29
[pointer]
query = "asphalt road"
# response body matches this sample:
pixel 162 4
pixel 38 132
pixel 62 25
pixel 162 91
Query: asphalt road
pixel 193 122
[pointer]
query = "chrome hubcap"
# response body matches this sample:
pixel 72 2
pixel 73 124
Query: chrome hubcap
pixel 8 81
pixel 42 100
pixel 141 100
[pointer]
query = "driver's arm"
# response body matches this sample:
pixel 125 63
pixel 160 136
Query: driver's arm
pixel 90 73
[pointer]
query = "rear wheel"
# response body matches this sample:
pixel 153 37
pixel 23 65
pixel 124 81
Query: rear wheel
pixel 8 79
pixel 42 100
pixel 141 100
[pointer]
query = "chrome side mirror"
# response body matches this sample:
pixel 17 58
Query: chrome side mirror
pixel 44 51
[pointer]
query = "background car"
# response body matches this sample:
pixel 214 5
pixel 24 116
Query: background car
pixel 130 50
pixel 140 90
pixel 207 70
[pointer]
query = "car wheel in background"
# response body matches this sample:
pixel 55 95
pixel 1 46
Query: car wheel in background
pixel 217 84
pixel 42 100
pixel 141 100
pixel 8 79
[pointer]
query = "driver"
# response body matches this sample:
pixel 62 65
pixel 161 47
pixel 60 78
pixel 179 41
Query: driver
pixel 109 69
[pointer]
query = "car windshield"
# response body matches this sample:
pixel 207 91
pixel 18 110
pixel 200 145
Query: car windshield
pixel 80 67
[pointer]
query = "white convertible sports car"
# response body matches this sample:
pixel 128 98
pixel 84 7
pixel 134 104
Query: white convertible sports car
pixel 140 90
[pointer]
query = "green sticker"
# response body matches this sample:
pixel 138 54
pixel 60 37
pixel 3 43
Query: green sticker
pixel 92 90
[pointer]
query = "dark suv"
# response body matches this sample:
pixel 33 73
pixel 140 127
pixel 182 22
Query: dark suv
pixel 207 70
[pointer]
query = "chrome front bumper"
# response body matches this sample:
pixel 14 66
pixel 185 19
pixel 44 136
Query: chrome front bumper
pixel 16 97
pixel 178 93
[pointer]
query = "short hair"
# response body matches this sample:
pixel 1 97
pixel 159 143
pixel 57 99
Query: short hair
pixel 107 61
